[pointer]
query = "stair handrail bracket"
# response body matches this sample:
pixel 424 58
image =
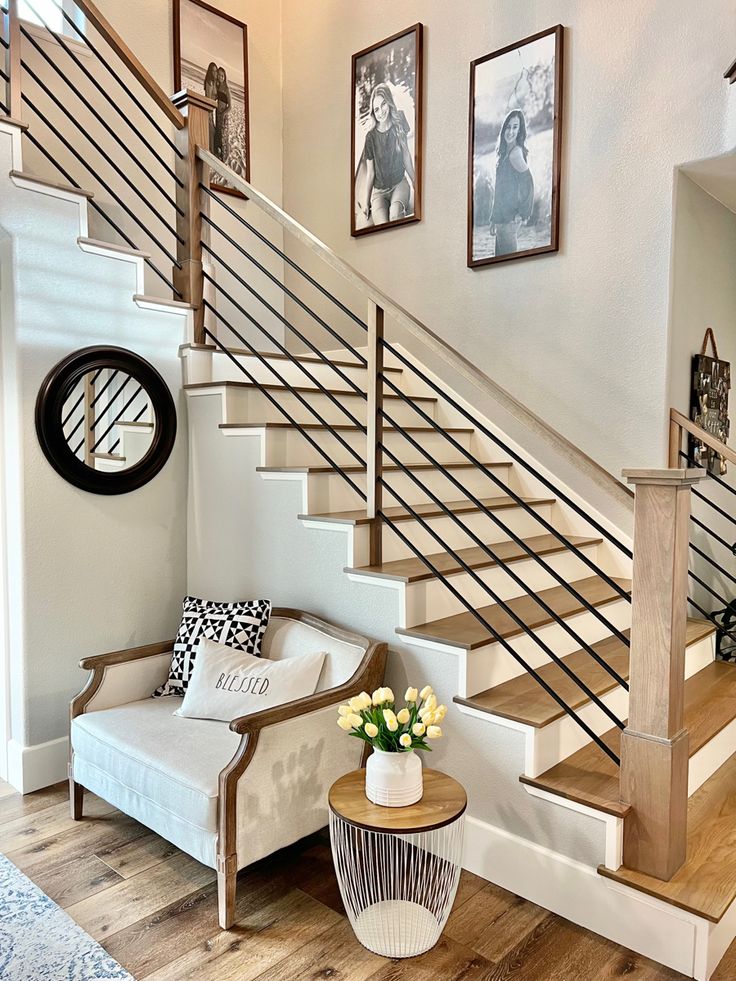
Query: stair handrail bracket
pixel 654 745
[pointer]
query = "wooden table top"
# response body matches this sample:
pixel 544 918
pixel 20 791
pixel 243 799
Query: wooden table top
pixel 443 801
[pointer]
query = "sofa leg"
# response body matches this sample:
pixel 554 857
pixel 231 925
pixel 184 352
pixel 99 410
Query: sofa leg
pixel 76 799
pixel 227 878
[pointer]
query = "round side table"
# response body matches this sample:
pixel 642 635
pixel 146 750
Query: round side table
pixel 398 868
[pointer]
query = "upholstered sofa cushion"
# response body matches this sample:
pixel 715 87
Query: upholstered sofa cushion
pixel 159 768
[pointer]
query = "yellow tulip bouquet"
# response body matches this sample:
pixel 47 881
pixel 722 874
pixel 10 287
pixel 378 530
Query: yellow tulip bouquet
pixel 374 719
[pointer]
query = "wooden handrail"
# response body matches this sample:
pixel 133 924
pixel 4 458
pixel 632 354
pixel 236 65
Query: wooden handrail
pixel 450 356
pixel 679 422
pixel 108 32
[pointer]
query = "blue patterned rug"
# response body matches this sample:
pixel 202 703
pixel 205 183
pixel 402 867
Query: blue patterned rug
pixel 39 942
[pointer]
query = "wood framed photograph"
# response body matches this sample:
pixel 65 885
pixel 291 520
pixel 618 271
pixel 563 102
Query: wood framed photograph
pixel 386 133
pixel 211 57
pixel 514 150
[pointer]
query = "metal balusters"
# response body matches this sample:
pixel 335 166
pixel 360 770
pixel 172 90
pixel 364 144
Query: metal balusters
pixel 374 435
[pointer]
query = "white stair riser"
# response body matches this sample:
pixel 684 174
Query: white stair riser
pixel 431 600
pixel 519 521
pixel 252 405
pixel 331 491
pixel 290 448
pixel 489 666
pixel 553 743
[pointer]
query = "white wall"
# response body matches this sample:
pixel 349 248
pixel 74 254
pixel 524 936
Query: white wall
pixel 579 336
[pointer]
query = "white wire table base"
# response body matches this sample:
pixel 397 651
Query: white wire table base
pixel 397 889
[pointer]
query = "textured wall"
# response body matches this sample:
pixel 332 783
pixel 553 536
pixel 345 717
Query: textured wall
pixel 579 336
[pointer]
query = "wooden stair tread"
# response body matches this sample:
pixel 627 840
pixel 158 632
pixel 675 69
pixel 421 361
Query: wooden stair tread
pixel 464 630
pixel 590 777
pixel 272 387
pixel 413 569
pixel 96 243
pixel 706 884
pixel 109 456
pixel 160 301
pixel 358 517
pixel 524 700
pixel 278 356
pixel 340 427
pixel 52 185
pixel 135 425
pixel 393 468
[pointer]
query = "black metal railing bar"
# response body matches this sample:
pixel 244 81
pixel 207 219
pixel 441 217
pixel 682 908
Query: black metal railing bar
pixel 704 555
pixel 506 607
pixel 115 421
pixel 275 402
pixel 106 126
pixel 96 207
pixel 135 419
pixel 116 78
pixel 262 386
pixel 493 555
pixel 312 347
pixel 335 401
pixel 108 159
pixel 713 534
pixel 709 616
pixel 593 566
pixel 289 261
pixel 105 411
pixel 79 401
pixel 609 536
pixel 504 643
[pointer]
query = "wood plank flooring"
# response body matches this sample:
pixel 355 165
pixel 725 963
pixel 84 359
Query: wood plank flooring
pixel 155 910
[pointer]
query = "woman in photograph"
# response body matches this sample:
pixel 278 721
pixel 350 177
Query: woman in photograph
pixel 223 111
pixel 513 196
pixel 210 90
pixel 387 160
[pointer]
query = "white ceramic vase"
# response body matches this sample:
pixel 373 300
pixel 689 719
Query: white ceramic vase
pixel 393 779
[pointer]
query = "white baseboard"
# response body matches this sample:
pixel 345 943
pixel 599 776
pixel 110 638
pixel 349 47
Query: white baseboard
pixel 34 767
pixel 666 934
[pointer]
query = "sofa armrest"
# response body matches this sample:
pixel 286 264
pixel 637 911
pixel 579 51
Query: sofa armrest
pixel 122 676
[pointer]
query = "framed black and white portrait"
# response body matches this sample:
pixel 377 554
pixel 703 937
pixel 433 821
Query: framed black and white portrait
pixel 211 56
pixel 386 157
pixel 514 150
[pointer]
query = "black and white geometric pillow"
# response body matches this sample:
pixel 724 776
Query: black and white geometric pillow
pixel 238 625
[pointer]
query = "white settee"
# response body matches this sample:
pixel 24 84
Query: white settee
pixel 227 794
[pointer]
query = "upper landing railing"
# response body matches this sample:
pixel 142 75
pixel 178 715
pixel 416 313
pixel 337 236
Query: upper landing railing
pixel 95 114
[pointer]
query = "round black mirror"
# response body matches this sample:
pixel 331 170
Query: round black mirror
pixel 105 420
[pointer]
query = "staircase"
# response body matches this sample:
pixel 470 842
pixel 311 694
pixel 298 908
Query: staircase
pixel 353 482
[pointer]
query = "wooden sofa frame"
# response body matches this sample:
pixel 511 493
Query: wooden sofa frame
pixel 367 677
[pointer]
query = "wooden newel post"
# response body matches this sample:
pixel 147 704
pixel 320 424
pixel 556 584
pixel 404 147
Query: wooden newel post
pixel 654 745
pixel 196 110
pixel 374 453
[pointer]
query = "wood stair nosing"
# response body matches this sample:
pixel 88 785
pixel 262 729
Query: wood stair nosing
pixel 340 427
pixel 50 184
pixel 522 699
pixel 278 356
pixel 398 513
pixel 463 630
pixel 301 389
pixel 591 778
pixel 706 883
pixel 393 468
pixel 413 570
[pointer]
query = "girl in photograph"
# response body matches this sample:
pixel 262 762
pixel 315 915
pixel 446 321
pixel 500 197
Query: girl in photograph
pixel 387 161
pixel 223 111
pixel 513 196
pixel 210 90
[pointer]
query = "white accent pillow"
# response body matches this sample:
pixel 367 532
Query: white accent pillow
pixel 226 683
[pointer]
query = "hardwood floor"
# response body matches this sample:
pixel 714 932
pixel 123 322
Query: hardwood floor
pixel 155 910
